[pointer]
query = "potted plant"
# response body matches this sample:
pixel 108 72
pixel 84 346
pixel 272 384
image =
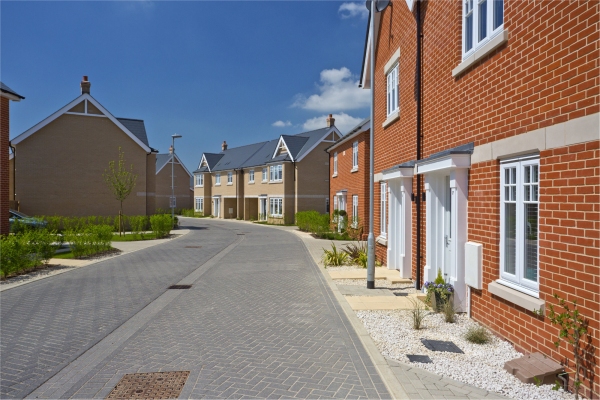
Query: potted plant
pixel 439 292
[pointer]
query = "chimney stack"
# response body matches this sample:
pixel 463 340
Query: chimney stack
pixel 330 121
pixel 224 146
pixel 171 149
pixel 85 85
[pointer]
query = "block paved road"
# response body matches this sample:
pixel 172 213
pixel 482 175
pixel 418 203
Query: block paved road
pixel 259 321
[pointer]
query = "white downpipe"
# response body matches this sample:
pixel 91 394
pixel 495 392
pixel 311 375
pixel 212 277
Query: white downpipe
pixel 469 301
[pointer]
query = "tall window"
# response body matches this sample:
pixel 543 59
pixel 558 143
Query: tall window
pixel 217 178
pixel 230 178
pixel 519 194
pixel 200 180
pixel 355 155
pixel 276 206
pixel 276 172
pixel 392 91
pixel 355 211
pixel 264 174
pixel 482 19
pixel 383 213
pixel 335 163
pixel 199 204
pixel 251 176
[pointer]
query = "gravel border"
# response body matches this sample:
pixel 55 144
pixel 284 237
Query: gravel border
pixel 481 366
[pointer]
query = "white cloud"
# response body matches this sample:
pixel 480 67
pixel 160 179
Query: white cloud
pixel 338 91
pixel 281 124
pixel 351 10
pixel 343 122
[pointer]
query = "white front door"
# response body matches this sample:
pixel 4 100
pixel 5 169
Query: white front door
pixel 217 207
pixel 263 209
pixel 399 226
pixel 447 212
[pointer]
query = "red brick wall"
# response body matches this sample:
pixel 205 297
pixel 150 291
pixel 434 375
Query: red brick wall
pixel 547 73
pixel 4 172
pixel 357 183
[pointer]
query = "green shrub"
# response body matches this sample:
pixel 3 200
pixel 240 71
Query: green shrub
pixel 418 313
pixel 334 257
pixel 27 249
pixel 478 335
pixel 187 212
pixel 138 224
pixel 449 310
pixel 357 253
pixel 89 240
pixel 161 225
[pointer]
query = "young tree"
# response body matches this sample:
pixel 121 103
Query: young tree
pixel 121 181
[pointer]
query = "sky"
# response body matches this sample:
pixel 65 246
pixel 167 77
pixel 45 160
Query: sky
pixel 240 71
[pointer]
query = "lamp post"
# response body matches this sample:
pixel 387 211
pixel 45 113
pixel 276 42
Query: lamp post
pixel 175 136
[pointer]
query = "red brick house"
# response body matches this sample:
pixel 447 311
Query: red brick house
pixel 6 96
pixel 487 119
pixel 349 172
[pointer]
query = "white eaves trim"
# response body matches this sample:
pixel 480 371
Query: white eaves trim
pixel 203 160
pixel 362 129
pixel 66 108
pixel 177 161
pixel 366 72
pixel 10 96
pixel 333 129
pixel 281 141
pixel 398 173
pixel 451 161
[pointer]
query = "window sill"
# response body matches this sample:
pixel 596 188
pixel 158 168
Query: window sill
pixel 270 182
pixel 251 183
pixel 217 184
pixel 391 118
pixel 230 184
pixel 353 170
pixel 334 175
pixel 483 51
pixel 382 240
pixel 516 297
pixel 199 186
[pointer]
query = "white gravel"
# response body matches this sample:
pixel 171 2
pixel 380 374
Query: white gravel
pixel 481 366
pixel 379 284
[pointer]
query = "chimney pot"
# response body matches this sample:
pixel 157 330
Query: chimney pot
pixel 171 149
pixel 224 146
pixel 330 121
pixel 85 85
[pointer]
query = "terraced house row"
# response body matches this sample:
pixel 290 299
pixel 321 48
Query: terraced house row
pixel 486 143
pixel 267 181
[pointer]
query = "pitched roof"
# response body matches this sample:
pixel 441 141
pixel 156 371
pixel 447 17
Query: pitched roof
pixel 6 89
pixel 237 157
pixel 262 155
pixel 363 126
pixel 137 127
pixel 314 137
pixel 163 159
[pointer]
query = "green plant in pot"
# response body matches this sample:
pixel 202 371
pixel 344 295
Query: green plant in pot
pixel 438 292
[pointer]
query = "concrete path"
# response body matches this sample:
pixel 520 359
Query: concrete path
pixel 259 321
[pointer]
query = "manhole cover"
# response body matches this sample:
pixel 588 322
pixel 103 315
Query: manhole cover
pixel 419 359
pixel 240 234
pixel 193 247
pixel 180 286
pixel 439 345
pixel 151 385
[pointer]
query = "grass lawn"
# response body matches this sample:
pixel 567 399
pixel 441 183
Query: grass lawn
pixel 68 254
pixel 133 237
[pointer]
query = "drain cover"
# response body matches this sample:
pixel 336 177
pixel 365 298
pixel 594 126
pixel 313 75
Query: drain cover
pixel 400 294
pixel 193 247
pixel 240 234
pixel 152 385
pixel 180 286
pixel 419 359
pixel 439 345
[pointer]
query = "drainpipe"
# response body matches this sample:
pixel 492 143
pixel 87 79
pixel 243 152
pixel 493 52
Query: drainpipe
pixel 371 237
pixel 14 174
pixel 419 139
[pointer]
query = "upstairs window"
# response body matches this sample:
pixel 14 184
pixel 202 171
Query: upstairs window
pixel 251 176
pixel 392 91
pixel 217 179
pixel 482 19
pixel 335 163
pixel 276 173
pixel 264 174
pixel 200 180
pixel 230 178
pixel 355 155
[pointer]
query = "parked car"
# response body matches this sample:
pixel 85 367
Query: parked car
pixel 25 220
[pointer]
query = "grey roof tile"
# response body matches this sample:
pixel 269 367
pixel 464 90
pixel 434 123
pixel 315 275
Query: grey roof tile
pixel 462 149
pixel 6 89
pixel 236 157
pixel 161 160
pixel 137 127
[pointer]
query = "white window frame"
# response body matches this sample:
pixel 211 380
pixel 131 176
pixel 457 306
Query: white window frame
pixel 217 179
pixel 200 180
pixel 251 176
pixel 265 174
pixel 199 204
pixel 230 178
pixel 472 9
pixel 276 173
pixel 335 160
pixel 355 211
pixel 276 207
pixel 383 211
pixel 355 156
pixel 393 103
pixel 517 280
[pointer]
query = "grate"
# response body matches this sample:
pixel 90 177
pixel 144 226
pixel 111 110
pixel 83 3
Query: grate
pixel 193 247
pixel 151 385
pixel 419 358
pixel 440 345
pixel 180 286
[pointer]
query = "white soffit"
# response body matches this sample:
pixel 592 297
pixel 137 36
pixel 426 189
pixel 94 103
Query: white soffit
pixel 407 172
pixel 449 162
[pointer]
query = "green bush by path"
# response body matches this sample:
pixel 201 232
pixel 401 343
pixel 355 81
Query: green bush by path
pixel 89 240
pixel 313 222
pixel 161 225
pixel 26 250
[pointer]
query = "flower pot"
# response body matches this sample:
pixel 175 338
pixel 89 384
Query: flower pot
pixel 437 302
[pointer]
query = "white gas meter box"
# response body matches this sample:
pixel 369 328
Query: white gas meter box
pixel 473 264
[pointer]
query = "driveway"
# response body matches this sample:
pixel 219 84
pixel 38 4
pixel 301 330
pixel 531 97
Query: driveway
pixel 258 321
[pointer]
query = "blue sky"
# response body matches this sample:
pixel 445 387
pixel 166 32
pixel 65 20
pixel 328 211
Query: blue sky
pixel 211 71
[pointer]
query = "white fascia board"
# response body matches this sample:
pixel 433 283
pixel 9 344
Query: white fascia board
pixel 279 145
pixel 398 173
pixel 366 84
pixel 449 162
pixel 177 161
pixel 411 4
pixel 203 159
pixel 10 96
pixel 333 129
pixel 66 108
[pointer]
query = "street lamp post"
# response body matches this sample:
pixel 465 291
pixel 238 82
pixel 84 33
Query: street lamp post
pixel 175 136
